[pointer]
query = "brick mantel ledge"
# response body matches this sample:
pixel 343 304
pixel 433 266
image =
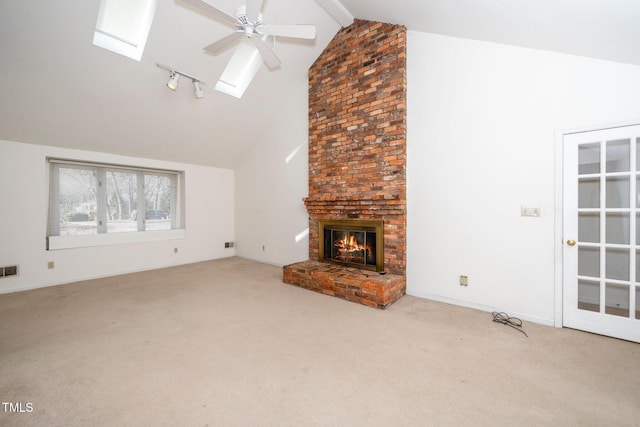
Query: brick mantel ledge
pixel 389 205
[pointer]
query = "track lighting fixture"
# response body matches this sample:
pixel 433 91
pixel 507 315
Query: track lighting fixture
pixel 197 90
pixel 174 77
pixel 173 81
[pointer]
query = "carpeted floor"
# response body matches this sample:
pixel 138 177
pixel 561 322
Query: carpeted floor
pixel 226 343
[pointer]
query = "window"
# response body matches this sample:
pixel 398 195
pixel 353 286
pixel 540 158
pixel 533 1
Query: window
pixel 88 199
pixel 123 26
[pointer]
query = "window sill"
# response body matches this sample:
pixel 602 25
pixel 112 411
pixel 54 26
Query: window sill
pixel 85 241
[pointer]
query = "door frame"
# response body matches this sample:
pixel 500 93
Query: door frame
pixel 559 209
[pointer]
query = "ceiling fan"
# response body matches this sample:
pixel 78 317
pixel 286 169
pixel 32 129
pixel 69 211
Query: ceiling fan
pixel 247 20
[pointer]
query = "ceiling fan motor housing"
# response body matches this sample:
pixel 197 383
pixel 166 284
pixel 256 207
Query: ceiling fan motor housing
pixel 248 28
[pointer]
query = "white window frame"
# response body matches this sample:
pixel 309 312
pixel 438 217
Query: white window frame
pixel 57 242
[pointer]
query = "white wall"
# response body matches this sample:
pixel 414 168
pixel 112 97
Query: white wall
pixel 482 119
pixel 209 206
pixel 271 182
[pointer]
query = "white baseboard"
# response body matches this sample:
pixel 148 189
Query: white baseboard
pixel 102 276
pixel 481 307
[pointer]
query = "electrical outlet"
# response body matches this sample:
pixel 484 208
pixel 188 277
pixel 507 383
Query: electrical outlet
pixel 464 280
pixel 175 250
pixel 51 265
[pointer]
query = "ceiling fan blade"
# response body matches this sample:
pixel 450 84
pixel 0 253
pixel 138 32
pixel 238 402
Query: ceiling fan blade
pixel 211 10
pixel 337 11
pixel 268 56
pixel 253 9
pixel 224 42
pixel 296 31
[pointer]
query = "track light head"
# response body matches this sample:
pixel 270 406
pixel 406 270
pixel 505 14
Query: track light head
pixel 173 81
pixel 197 90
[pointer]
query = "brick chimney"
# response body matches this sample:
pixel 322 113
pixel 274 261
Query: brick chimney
pixel 357 134
pixel 357 152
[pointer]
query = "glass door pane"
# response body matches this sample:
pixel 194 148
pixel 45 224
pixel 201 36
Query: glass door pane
pixel 617 266
pixel 617 300
pixel 618 192
pixel 618 155
pixel 589 193
pixel 618 228
pixel 589 262
pixel 589 295
pixel 589 227
pixel 589 158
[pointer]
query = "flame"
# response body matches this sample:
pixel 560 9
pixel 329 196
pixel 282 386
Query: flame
pixel 350 248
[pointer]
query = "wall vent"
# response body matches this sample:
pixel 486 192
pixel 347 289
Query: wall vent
pixel 11 270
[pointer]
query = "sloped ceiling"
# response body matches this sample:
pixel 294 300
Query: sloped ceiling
pixel 604 29
pixel 56 88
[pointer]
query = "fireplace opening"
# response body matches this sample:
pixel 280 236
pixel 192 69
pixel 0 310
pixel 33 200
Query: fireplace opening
pixel 355 243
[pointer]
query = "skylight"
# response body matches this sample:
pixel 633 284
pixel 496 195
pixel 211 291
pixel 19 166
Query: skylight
pixel 123 26
pixel 242 68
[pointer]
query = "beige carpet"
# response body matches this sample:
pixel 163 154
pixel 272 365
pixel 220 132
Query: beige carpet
pixel 226 343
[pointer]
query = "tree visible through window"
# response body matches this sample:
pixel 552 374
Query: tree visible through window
pixel 93 199
pixel 77 201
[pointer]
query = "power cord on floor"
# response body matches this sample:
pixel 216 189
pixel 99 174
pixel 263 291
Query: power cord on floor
pixel 513 322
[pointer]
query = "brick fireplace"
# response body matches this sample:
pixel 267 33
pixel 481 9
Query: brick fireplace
pixel 357 158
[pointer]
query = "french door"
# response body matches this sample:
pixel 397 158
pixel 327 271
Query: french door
pixel 601 228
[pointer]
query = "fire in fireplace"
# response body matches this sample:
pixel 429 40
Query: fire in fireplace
pixel 355 243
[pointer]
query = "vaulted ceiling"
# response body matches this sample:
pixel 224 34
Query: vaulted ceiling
pixel 56 88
